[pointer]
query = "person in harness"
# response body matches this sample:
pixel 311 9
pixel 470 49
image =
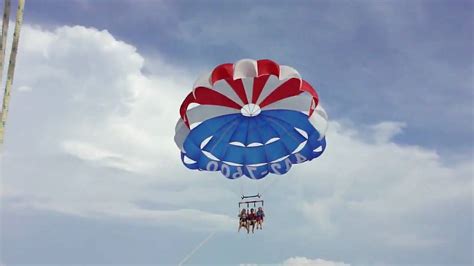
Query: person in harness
pixel 251 220
pixel 260 215
pixel 243 220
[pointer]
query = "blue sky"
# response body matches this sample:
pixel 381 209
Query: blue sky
pixel 96 98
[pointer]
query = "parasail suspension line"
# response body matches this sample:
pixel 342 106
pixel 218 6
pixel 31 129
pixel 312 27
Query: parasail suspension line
pixel 190 254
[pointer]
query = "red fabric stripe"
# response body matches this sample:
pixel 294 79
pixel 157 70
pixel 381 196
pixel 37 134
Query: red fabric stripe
pixel 238 87
pixel 207 96
pixel 268 67
pixel 290 88
pixel 184 107
pixel 258 85
pixel 224 71
pixel 308 88
pixel 305 86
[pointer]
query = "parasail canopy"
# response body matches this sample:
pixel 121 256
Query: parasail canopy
pixel 252 118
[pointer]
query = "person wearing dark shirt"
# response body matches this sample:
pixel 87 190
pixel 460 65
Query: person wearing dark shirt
pixel 252 219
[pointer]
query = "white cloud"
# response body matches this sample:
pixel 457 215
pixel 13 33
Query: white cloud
pixel 24 89
pixel 301 261
pixel 382 183
pixel 87 152
pixel 95 105
pixel 385 131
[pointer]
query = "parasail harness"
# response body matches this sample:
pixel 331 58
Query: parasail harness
pixel 249 202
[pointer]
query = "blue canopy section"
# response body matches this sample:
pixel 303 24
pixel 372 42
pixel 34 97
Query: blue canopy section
pixel 238 145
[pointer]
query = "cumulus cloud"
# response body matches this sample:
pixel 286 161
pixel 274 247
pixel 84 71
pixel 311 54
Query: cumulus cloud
pixel 96 136
pixel 385 131
pixel 24 89
pixel 303 261
pixel 300 261
pixel 93 105
pixel 384 184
